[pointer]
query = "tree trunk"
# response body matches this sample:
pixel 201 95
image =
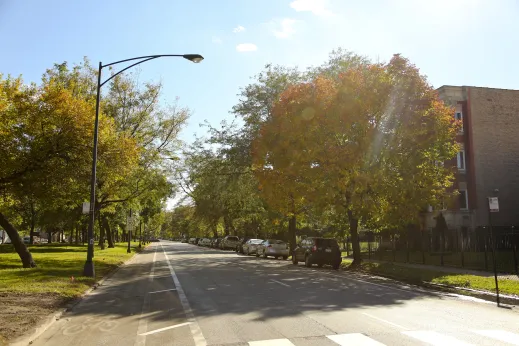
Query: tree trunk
pixel 354 231
pixel 226 224
pixel 101 233
pixel 292 225
pixel 49 235
pixel 108 232
pixel 17 242
pixel 71 236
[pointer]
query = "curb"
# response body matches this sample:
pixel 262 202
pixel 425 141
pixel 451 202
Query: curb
pixel 469 292
pixel 52 318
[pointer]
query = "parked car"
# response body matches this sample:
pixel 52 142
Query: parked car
pixel 229 242
pixel 193 241
pixel 273 248
pixel 184 240
pixel 239 247
pixel 251 245
pixel 204 242
pixel 26 239
pixel 318 251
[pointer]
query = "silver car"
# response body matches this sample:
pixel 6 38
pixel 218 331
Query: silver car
pixel 273 248
pixel 251 245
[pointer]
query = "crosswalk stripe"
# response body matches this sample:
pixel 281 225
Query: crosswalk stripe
pixel 437 339
pixel 356 339
pixel 500 335
pixel 273 342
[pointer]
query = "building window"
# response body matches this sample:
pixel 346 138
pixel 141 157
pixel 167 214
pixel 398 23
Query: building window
pixel 463 200
pixel 461 160
pixel 459 117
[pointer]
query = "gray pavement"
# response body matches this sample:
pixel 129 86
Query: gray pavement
pixel 183 295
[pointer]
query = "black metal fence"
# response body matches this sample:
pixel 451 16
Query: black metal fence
pixel 464 248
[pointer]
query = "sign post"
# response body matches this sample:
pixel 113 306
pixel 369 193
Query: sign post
pixel 493 207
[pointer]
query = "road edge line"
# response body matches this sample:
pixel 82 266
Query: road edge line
pixel 196 332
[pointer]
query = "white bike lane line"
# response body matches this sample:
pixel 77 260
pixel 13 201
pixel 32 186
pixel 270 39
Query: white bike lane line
pixel 196 332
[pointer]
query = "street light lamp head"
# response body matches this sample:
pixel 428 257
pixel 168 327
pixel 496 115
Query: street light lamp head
pixel 196 58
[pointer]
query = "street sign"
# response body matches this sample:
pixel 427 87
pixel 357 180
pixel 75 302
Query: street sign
pixel 86 207
pixel 493 204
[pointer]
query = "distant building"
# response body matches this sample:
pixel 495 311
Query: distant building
pixel 488 158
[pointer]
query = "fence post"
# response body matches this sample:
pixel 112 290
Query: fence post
pixel 442 246
pixel 515 259
pixel 462 249
pixel 486 250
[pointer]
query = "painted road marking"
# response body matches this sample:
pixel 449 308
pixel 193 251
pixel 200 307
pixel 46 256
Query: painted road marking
pixel 273 342
pixel 385 321
pixel 279 282
pixel 198 337
pixel 140 340
pixel 437 339
pixel 500 335
pixel 167 328
pixel 356 339
pixel 171 289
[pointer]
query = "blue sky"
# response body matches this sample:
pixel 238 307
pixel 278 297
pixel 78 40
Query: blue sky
pixel 457 42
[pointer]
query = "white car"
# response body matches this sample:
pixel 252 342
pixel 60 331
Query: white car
pixel 251 246
pixel 204 242
pixel 273 248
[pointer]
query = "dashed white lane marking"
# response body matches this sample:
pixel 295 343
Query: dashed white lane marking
pixel 198 337
pixel 140 340
pixel 166 328
pixel 385 321
pixel 171 289
pixel 356 339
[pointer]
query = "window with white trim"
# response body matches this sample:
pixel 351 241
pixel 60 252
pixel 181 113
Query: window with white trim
pixel 459 117
pixel 463 200
pixel 461 160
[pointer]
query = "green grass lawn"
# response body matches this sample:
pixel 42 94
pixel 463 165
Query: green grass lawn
pixel 56 264
pixel 419 275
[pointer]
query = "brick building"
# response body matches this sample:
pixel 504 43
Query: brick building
pixel 488 162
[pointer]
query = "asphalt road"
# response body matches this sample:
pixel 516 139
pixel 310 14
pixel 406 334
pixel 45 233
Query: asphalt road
pixel 184 295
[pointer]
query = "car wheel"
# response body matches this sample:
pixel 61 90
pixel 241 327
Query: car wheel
pixel 308 261
pixel 294 260
pixel 285 257
pixel 248 252
pixel 264 254
pixel 336 266
pixel 257 254
pixel 320 265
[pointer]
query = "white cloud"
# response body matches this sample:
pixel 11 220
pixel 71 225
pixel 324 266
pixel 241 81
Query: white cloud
pixel 238 29
pixel 217 40
pixel 246 47
pixel 317 7
pixel 283 28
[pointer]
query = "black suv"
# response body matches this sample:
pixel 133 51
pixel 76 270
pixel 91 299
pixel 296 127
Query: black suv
pixel 318 251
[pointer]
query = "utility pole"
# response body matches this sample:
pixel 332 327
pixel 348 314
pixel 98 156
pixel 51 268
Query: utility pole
pixel 130 226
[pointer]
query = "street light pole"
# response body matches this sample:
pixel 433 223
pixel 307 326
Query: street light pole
pixel 89 269
pixel 130 229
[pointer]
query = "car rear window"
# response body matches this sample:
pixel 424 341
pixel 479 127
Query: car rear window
pixel 256 241
pixel 232 238
pixel 326 242
pixel 275 241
